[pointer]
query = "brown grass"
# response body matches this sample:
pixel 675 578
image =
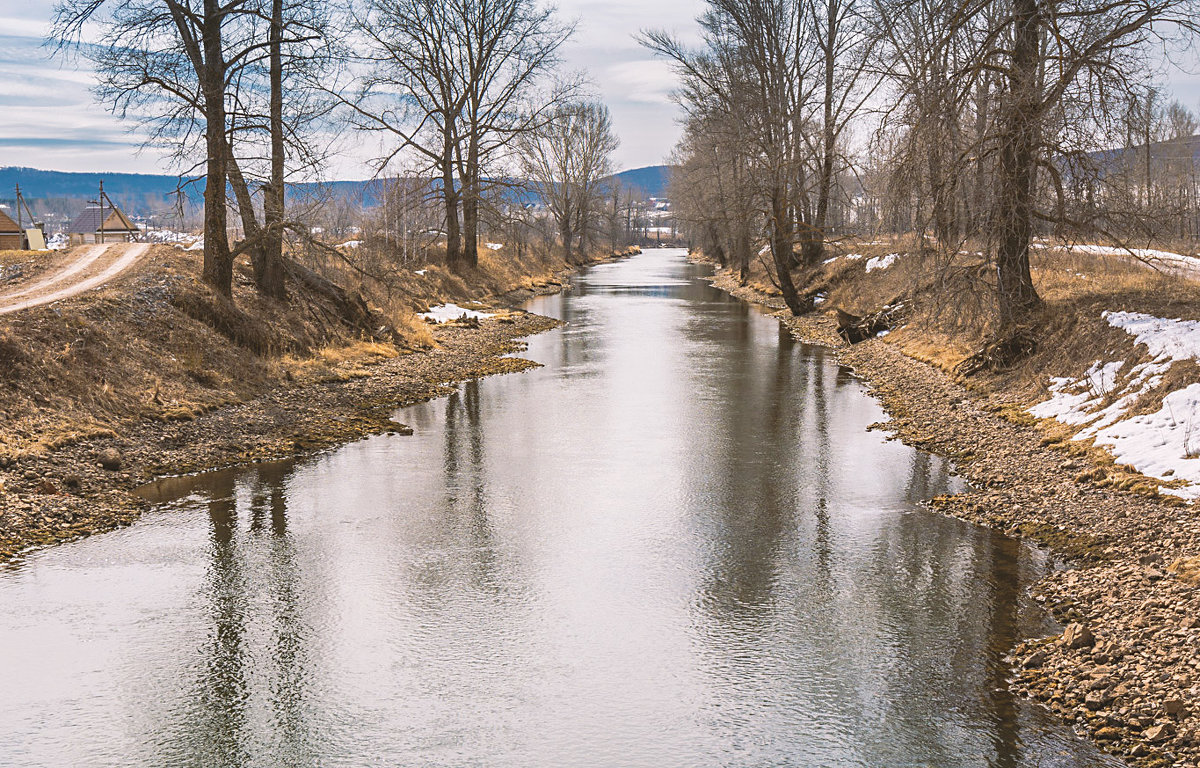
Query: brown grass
pixel 156 344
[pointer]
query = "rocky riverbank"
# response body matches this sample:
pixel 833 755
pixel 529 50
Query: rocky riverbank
pixel 84 488
pixel 1126 670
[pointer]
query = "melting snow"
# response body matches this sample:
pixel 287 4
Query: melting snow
pixel 420 271
pixel 1149 255
pixel 1163 445
pixel 351 244
pixel 444 313
pixel 850 256
pixel 1172 339
pixel 882 262
pixel 495 246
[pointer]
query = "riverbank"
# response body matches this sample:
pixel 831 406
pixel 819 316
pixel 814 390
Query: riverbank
pixel 72 451
pixel 1126 670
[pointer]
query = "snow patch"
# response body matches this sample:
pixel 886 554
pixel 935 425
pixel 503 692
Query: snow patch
pixel 882 262
pixel 495 246
pixel 1149 255
pixel 1168 339
pixel 420 272
pixel 351 244
pixel 444 313
pixel 1163 445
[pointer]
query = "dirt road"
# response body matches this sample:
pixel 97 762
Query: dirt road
pixel 94 266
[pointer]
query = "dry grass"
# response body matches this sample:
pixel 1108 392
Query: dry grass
pixel 156 344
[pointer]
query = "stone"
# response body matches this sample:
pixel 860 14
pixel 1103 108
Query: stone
pixel 1096 700
pixel 110 459
pixel 1174 707
pixel 1157 733
pixel 1034 660
pixel 1078 636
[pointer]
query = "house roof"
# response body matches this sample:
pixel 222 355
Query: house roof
pixel 7 224
pixel 88 221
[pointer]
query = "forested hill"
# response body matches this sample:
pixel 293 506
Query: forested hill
pixel 40 185
pixel 652 180
pixel 147 193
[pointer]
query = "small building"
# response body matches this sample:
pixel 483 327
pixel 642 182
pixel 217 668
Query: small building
pixel 107 224
pixel 11 236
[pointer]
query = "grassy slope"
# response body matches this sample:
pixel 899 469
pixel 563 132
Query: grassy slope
pixel 156 344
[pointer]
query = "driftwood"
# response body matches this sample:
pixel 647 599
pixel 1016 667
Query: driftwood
pixel 855 329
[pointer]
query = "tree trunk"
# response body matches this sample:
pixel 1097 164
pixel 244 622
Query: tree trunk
pixel 245 201
pixel 814 244
pixel 218 262
pixel 268 259
pixel 568 238
pixel 470 205
pixel 1018 171
pixel 450 197
pixel 781 251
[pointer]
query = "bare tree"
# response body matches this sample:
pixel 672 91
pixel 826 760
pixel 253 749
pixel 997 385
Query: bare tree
pixel 189 71
pixel 758 67
pixel 846 43
pixel 455 81
pixel 1060 68
pixel 568 161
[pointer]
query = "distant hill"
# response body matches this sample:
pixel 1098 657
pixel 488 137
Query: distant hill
pixel 143 194
pixel 653 180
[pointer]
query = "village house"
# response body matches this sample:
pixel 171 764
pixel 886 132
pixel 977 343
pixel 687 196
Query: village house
pixel 102 224
pixel 11 236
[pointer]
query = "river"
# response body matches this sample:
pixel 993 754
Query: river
pixel 675 544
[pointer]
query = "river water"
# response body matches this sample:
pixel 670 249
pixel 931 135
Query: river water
pixel 676 544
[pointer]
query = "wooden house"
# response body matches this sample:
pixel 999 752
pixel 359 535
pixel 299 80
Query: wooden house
pixel 102 224
pixel 11 236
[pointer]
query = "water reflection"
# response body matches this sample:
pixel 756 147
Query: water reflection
pixel 675 545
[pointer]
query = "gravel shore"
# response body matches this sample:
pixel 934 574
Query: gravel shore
pixel 85 488
pixel 1126 671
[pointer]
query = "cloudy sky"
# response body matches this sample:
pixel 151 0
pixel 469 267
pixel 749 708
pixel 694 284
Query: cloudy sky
pixel 49 120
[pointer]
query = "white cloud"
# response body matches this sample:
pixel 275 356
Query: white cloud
pixel 49 119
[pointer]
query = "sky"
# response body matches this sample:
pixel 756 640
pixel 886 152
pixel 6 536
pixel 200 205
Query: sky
pixel 49 119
